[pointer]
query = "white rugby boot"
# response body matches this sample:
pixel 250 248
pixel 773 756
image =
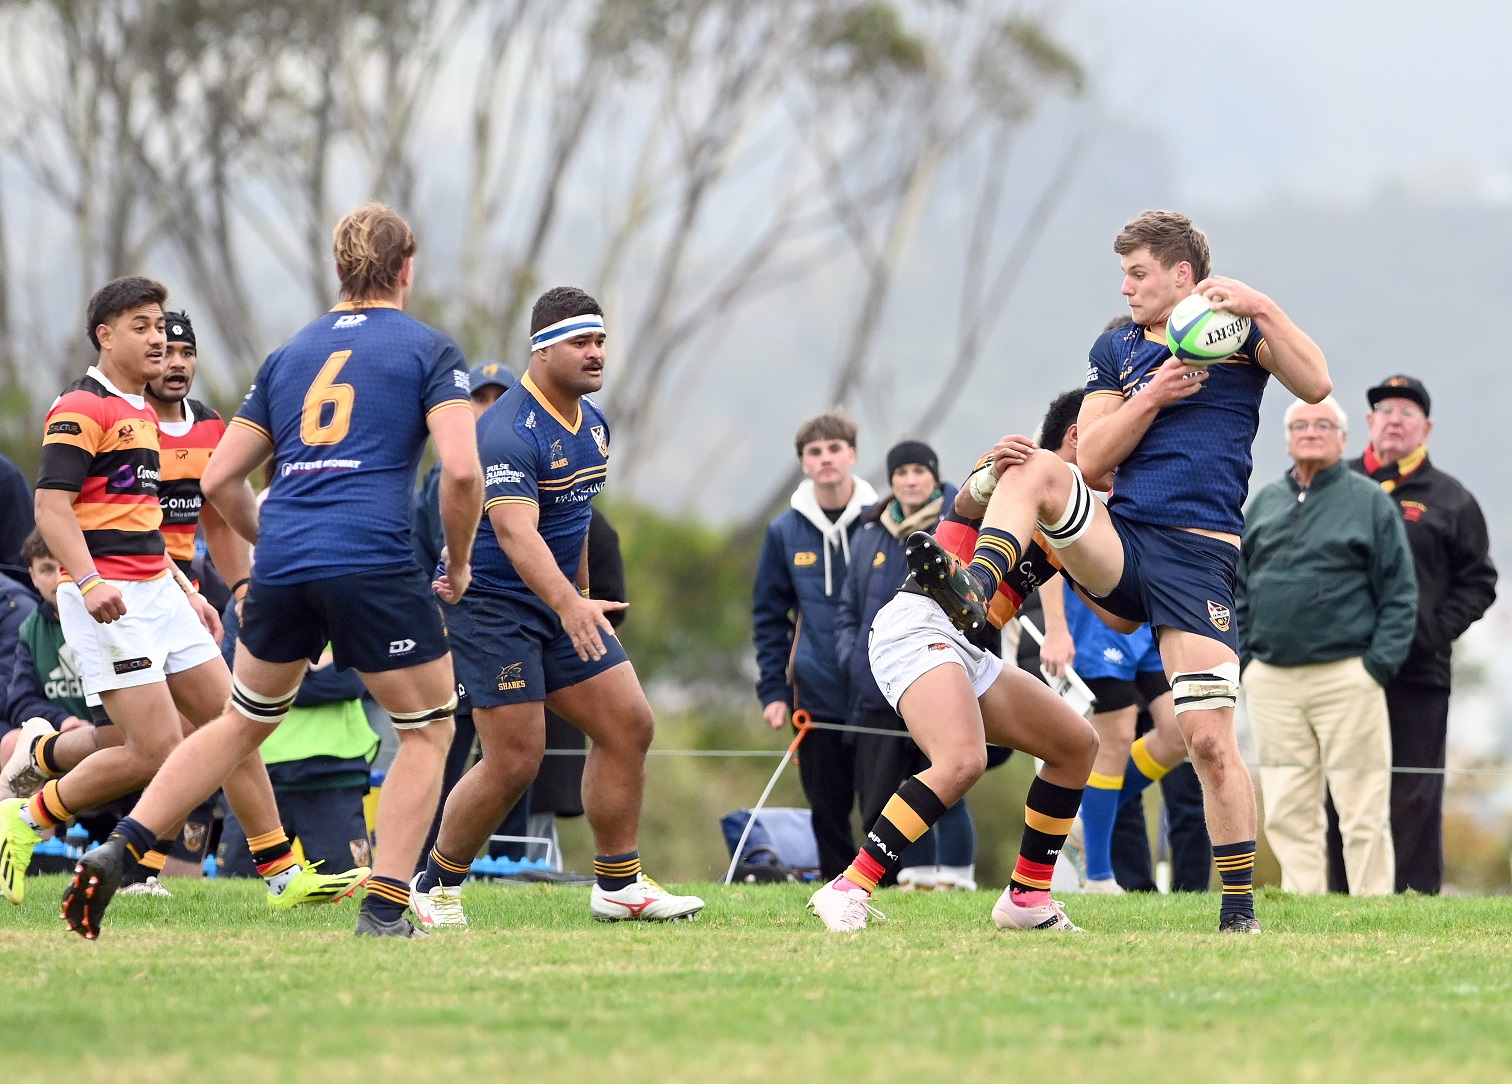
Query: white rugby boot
pixel 643 900
pixel 1047 916
pixel 843 912
pixel 440 907
pixel 22 776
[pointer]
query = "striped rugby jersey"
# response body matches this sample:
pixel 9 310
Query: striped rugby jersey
pixel 185 453
pixel 102 444
pixel 533 455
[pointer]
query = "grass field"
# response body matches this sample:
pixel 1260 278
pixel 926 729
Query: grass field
pixel 210 985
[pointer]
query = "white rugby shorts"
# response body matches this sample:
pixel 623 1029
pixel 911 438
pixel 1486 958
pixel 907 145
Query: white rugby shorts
pixel 911 636
pixel 160 635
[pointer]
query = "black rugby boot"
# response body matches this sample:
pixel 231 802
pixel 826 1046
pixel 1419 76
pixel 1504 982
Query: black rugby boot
pixel 941 576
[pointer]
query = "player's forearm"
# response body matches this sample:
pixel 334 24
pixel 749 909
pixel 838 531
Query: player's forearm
pixel 461 510
pixel 1104 444
pixel 537 565
pixel 232 501
pixel 228 551
pixel 1297 361
pixel 1053 599
pixel 60 530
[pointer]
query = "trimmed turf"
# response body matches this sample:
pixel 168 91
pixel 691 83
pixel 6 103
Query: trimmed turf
pixel 211 985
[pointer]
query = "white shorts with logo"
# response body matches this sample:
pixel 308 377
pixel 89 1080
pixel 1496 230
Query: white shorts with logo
pixel 160 635
pixel 911 636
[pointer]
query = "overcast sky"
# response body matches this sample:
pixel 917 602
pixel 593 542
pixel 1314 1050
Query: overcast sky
pixel 1324 99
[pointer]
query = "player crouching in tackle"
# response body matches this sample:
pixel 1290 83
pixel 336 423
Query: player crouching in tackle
pixel 527 635
pixel 141 633
pixel 343 409
pixel 955 698
pixel 1178 440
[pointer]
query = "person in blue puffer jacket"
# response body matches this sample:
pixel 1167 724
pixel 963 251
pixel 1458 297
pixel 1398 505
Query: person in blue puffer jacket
pixel 944 857
pixel 804 559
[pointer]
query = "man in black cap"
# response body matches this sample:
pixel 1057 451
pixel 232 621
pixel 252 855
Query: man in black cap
pixel 1456 584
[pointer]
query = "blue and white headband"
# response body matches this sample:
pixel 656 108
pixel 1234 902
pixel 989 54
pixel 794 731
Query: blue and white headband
pixel 566 329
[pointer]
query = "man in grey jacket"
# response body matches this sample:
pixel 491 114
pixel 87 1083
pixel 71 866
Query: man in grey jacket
pixel 1327 605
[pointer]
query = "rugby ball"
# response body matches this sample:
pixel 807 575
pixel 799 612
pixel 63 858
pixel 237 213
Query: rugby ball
pixel 1199 334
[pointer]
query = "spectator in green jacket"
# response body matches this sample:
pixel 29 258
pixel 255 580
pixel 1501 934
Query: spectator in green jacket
pixel 1327 604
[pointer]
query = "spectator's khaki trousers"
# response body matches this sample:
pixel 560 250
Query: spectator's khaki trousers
pixel 1325 722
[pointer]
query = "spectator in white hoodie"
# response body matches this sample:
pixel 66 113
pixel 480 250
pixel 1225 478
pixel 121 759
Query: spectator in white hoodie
pixel 798 585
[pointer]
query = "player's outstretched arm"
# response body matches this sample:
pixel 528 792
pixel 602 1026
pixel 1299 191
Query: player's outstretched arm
pixel 1289 353
pixel 240 452
pixel 461 493
pixel 517 526
pixel 228 550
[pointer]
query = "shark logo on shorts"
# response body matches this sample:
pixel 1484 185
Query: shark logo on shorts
pixel 1219 616
pixel 512 677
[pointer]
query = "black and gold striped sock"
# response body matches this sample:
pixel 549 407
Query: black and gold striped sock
pixel 1236 866
pixel 386 898
pixel 617 871
pixel 272 853
pixel 908 815
pixel 995 555
pixel 440 870
pixel 137 838
pixel 42 755
pixel 1049 812
pixel 150 865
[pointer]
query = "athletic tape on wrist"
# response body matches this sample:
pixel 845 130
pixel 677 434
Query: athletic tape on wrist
pixel 414 720
pixel 981 485
pixel 1206 690
pixel 259 708
pixel 1076 520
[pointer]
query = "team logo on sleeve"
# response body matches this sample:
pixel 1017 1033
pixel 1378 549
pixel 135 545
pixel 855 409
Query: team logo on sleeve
pixel 601 438
pixel 1220 616
pixel 460 379
pixel 71 429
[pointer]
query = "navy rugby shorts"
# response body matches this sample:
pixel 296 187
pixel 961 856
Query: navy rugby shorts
pixel 1176 579
pixel 511 649
pixel 376 620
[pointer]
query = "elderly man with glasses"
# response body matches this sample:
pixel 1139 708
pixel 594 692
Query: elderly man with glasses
pixel 1327 602
pixel 1451 552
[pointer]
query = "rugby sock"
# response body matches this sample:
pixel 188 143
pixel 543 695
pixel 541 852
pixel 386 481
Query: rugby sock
pixel 45 809
pixel 908 815
pixel 150 864
pixel 617 871
pixel 1099 809
pixel 1049 813
pixel 1141 771
pixel 41 754
pixel 1236 865
pixel 137 837
pixel 274 858
pixel 386 898
pixel 996 554
pixel 440 870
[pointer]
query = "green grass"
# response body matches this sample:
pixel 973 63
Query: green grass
pixel 210 985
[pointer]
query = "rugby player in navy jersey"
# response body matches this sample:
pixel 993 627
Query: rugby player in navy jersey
pixel 343 409
pixel 1177 439
pixel 528 635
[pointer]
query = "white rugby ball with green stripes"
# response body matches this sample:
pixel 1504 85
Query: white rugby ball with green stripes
pixel 1199 334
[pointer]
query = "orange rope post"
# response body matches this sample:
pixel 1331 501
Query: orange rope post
pixel 804 723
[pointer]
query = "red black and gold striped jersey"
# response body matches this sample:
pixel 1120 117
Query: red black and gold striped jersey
pixel 102 444
pixel 186 448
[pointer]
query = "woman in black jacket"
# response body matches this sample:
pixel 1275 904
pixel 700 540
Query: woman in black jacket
pixel 945 856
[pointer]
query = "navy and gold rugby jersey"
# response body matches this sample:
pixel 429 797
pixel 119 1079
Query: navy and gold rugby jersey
pixel 102 444
pixel 533 455
pixel 345 404
pixel 185 449
pixel 1192 466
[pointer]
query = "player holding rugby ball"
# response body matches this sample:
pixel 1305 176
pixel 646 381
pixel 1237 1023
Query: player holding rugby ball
pixel 1178 440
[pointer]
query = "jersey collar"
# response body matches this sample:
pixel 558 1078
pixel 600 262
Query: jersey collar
pixel 137 401
pixel 351 306
pixel 180 429
pixel 540 397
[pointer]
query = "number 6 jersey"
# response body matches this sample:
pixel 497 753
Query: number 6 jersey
pixel 345 404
